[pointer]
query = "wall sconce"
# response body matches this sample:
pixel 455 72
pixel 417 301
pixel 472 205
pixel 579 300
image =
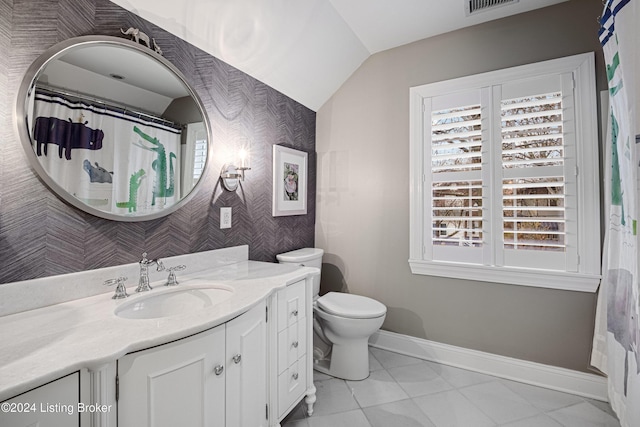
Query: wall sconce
pixel 231 175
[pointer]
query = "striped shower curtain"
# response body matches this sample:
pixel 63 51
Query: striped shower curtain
pixel 617 335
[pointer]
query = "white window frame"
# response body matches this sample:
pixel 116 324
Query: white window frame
pixel 586 278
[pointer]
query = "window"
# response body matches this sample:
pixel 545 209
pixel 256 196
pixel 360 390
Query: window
pixel 194 154
pixel 504 174
pixel 200 158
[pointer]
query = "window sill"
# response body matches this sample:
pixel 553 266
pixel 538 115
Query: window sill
pixel 508 275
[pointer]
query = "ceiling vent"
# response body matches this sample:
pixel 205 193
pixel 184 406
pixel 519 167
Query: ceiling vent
pixel 476 6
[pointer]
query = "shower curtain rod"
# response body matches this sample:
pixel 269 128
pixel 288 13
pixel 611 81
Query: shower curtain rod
pixel 120 108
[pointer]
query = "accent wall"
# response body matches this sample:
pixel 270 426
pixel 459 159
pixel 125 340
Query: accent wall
pixel 40 235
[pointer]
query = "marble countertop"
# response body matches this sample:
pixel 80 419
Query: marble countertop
pixel 47 343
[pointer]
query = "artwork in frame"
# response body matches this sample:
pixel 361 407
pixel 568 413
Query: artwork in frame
pixel 289 181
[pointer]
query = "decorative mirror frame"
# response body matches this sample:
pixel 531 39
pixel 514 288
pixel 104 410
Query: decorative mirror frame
pixel 21 125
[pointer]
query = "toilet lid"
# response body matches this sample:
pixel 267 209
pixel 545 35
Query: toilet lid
pixel 352 306
pixel 300 255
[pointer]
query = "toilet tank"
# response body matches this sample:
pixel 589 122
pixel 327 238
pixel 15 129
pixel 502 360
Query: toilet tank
pixel 308 257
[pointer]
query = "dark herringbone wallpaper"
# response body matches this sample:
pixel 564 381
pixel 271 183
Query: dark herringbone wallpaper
pixel 40 235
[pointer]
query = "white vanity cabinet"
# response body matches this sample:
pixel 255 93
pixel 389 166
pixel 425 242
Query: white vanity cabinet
pixel 245 361
pixel 56 404
pixel 214 378
pixel 293 370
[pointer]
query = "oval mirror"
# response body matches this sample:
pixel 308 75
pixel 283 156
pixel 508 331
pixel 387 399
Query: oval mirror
pixel 113 128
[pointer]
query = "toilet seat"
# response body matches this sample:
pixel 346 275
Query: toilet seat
pixel 351 306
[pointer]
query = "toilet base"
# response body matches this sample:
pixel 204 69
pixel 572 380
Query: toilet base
pixel 349 362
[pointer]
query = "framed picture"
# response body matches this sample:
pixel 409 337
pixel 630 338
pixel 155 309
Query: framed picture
pixel 289 181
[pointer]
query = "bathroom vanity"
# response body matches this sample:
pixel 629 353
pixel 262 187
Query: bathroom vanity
pixel 228 346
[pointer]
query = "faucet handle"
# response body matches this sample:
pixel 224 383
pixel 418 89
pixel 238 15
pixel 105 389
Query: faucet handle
pixel 147 261
pixel 121 290
pixel 172 280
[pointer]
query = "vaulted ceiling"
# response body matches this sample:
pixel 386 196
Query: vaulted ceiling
pixel 306 49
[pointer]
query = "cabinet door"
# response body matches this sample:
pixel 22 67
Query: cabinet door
pixel 247 369
pixel 52 405
pixel 174 384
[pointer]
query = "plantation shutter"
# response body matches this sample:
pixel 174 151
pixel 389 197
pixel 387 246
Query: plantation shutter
pixel 518 213
pixel 496 193
pixel 537 143
pixel 200 158
pixel 454 125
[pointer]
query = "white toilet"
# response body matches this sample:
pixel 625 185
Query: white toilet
pixel 342 323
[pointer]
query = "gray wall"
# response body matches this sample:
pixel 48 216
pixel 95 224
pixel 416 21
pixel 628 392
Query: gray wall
pixel 42 236
pixel 363 194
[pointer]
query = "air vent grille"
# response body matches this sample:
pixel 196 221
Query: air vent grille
pixel 475 6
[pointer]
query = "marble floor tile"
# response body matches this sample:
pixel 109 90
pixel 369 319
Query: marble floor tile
pixel 403 391
pixel 540 420
pixel 500 403
pixel 389 359
pixel 543 398
pixel 374 365
pixel 403 413
pixel 603 406
pixel 419 379
pixel 583 415
pixel 319 376
pixel 452 409
pixel 355 418
pixel 458 377
pixel 333 396
pixel 379 388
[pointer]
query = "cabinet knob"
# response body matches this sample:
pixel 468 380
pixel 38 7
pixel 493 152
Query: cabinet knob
pixel 294 313
pixel 295 344
pixel 218 370
pixel 295 376
pixel 237 358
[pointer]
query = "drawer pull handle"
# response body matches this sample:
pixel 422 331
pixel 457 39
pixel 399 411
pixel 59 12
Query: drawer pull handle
pixel 295 344
pixel 295 376
pixel 237 358
pixel 218 369
pixel 294 313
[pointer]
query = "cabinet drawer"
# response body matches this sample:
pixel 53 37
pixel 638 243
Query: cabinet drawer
pixel 292 344
pixel 292 384
pixel 291 305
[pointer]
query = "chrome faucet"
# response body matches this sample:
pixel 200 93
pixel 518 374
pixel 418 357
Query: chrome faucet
pixel 121 290
pixel 143 283
pixel 171 280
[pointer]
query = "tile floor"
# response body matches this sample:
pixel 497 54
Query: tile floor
pixel 406 392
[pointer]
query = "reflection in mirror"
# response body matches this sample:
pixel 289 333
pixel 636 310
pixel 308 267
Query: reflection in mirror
pixel 113 128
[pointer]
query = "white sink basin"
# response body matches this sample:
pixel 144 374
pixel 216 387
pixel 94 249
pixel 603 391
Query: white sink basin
pixel 179 300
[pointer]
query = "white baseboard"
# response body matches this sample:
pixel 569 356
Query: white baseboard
pixel 561 379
